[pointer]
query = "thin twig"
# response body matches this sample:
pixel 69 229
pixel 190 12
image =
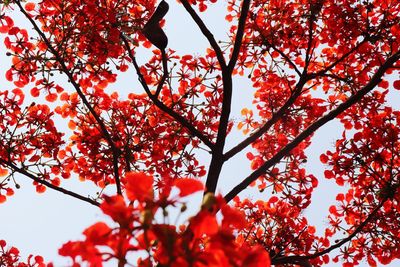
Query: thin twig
pixel 48 184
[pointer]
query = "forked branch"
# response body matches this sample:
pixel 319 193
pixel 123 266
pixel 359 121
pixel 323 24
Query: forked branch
pixel 315 126
pixel 161 105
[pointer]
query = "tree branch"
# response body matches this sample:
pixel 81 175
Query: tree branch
pixel 206 32
pixel 291 259
pixel 348 53
pixel 161 105
pixel 64 68
pixel 283 55
pixel 48 184
pixel 217 154
pixel 315 126
pixel 165 72
pixel 315 9
pixel 239 35
pixel 217 159
pixel 253 137
pixel 275 117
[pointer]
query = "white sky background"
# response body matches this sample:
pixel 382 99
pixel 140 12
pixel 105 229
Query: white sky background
pixel 40 224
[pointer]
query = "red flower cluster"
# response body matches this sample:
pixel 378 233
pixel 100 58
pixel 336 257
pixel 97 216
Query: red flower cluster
pixel 10 257
pixel 140 227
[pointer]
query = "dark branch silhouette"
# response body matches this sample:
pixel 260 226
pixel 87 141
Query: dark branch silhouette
pixel 15 168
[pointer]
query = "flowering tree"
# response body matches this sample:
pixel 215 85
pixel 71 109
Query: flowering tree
pixel 309 62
